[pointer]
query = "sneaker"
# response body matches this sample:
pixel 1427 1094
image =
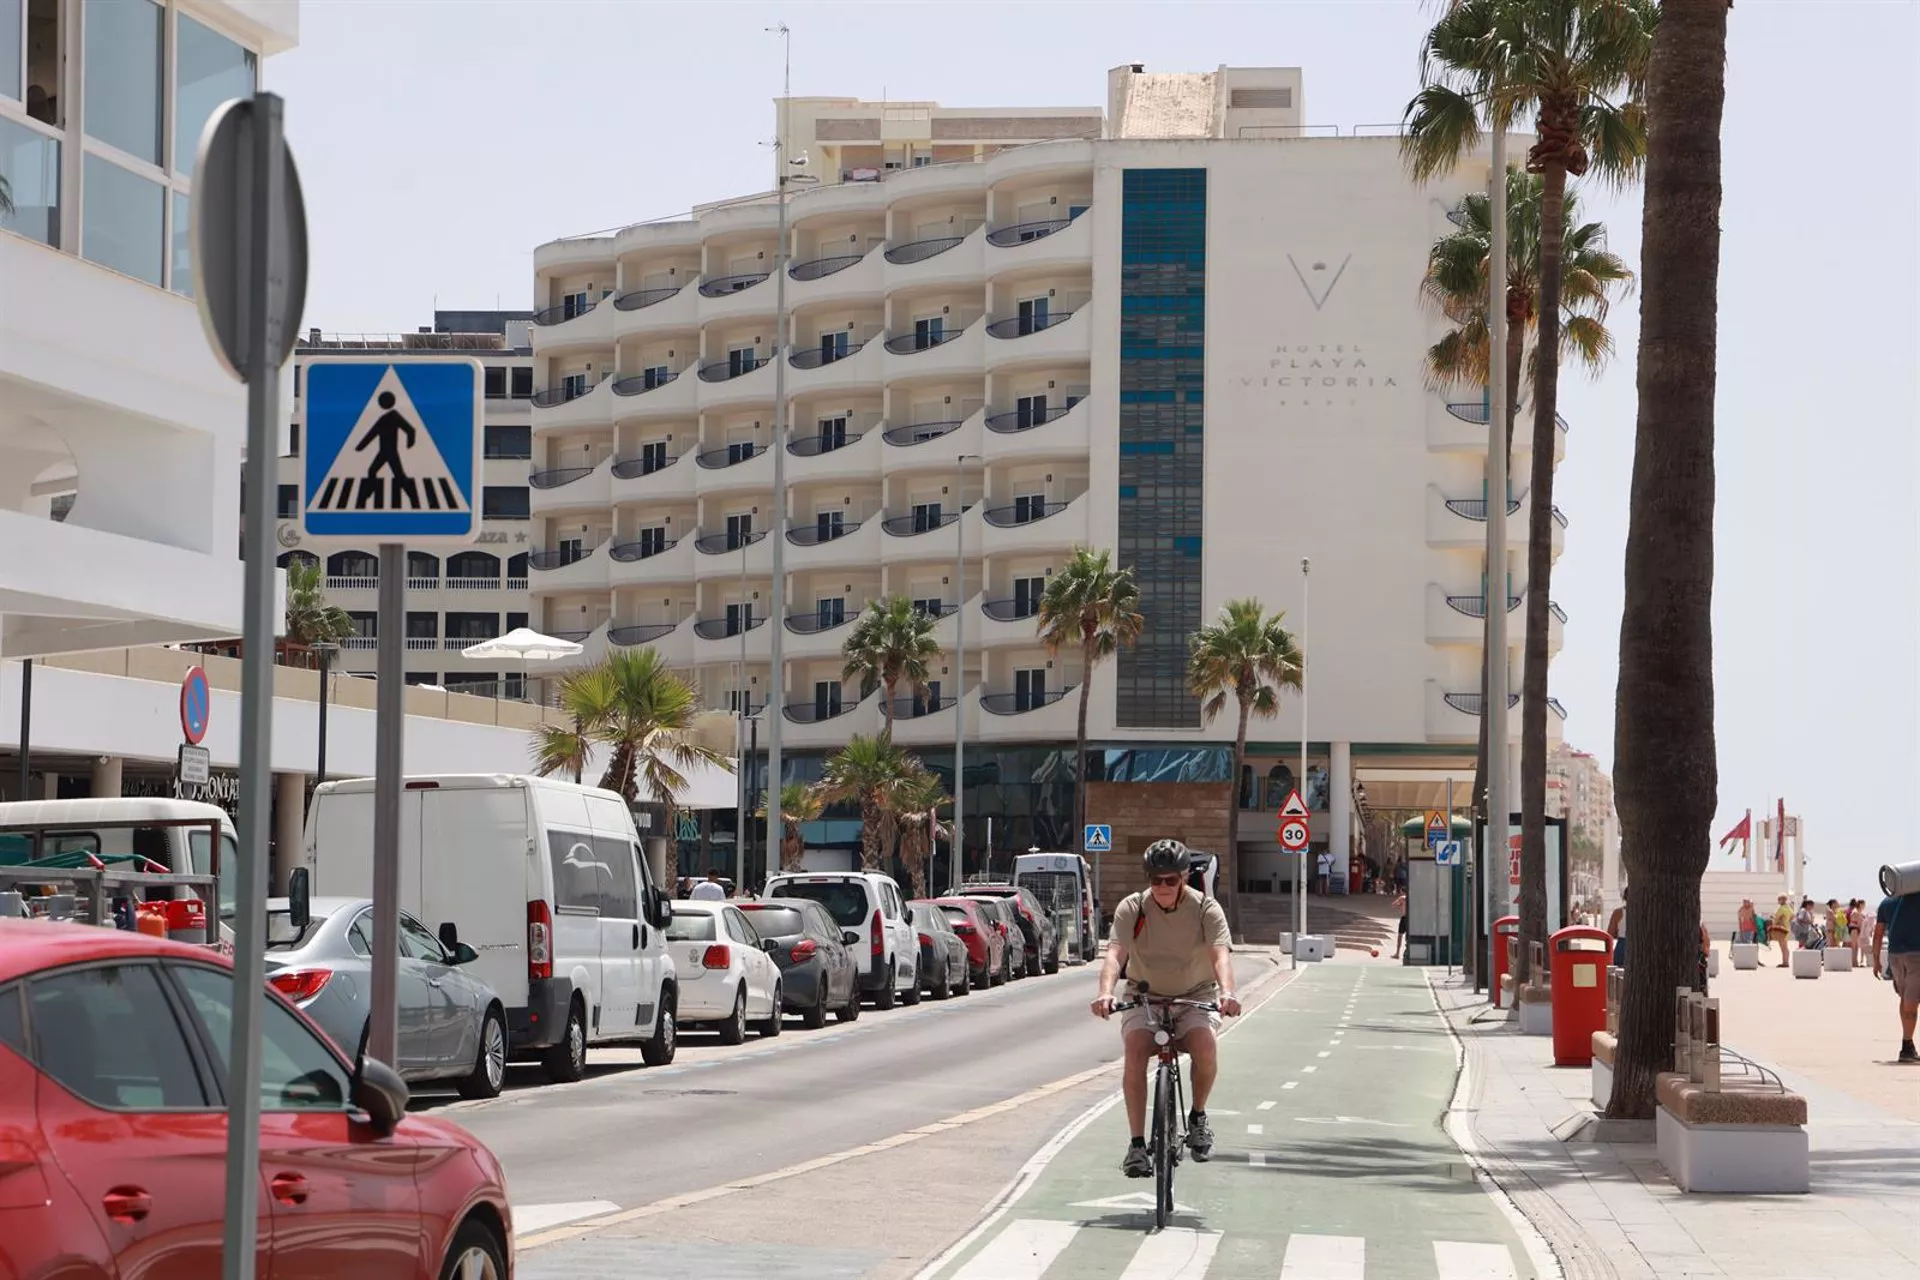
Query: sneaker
pixel 1199 1136
pixel 1138 1164
pixel 1907 1053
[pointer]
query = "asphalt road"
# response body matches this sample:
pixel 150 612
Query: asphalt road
pixel 630 1136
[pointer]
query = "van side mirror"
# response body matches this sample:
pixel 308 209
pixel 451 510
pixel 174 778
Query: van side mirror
pixel 300 900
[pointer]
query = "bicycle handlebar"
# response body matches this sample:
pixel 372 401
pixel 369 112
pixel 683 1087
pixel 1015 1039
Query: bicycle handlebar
pixel 1208 1005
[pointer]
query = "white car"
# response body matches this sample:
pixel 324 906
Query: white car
pixel 726 977
pixel 869 908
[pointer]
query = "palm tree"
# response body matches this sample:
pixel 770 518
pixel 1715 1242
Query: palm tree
pixel 632 704
pixel 1663 718
pixel 1249 656
pixel 6 197
pixel 310 620
pixel 866 772
pixel 893 641
pixel 1094 608
pixel 917 799
pixel 1579 68
pixel 799 803
pixel 1456 285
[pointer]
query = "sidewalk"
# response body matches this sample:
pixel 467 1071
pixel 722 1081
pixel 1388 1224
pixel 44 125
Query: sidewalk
pixel 1609 1210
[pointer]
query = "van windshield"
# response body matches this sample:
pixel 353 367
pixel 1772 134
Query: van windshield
pixel 1056 890
pixel 844 900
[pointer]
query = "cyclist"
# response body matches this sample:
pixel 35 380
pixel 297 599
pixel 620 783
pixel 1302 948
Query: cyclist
pixel 1175 940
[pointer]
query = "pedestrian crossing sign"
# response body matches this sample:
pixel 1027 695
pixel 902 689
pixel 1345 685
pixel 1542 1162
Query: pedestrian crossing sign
pixel 1098 838
pixel 392 450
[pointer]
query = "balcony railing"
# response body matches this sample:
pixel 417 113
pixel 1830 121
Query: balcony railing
pixel 628 552
pixel 1560 517
pixel 822 267
pixel 732 367
pixel 642 633
pixel 812 535
pixel 1476 606
pixel 457 643
pixel 564 312
pixel 1021 326
pixel 730 455
pixel 1470 703
pixel 517 584
pixel 920 432
pixel 1556 611
pixel 920 250
pixel 351 582
pixel 815 445
pixel 718 544
pixel 1022 232
pixel 423 584
pixel 574 636
pixel 1475 411
pixel 548 397
pixel 635 299
pixel 559 558
pixel 644 465
pixel 638 384
pixel 1022 513
pixel 816 712
pixel 475 584
pixel 423 642
pixel 913 708
pixel 721 628
pixel 721 286
pixel 908 343
pixel 815 357
pixel 555 477
pixel 360 642
pixel 1010 610
pixel 908 526
pixel 1026 419
pixel 1013 704
pixel 1476 508
pixel 812 622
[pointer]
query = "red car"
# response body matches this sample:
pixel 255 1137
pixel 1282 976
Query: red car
pixel 113 1130
pixel 986 939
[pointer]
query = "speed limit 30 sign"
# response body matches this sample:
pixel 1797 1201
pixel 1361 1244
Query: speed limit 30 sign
pixel 1294 835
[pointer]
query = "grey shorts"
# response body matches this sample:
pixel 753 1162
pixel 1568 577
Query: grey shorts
pixel 1906 975
pixel 1184 1018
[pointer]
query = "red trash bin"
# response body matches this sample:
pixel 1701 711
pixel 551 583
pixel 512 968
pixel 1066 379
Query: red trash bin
pixel 1579 958
pixel 1506 933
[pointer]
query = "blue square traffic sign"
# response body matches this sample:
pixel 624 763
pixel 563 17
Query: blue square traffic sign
pixel 392 450
pixel 1098 838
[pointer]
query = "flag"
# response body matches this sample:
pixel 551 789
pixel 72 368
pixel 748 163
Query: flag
pixel 1780 839
pixel 1742 830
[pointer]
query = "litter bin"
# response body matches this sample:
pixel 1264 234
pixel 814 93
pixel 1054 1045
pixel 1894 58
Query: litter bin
pixel 1506 935
pixel 1580 955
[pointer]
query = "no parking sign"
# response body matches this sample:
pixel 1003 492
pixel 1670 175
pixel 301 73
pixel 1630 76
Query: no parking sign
pixel 196 705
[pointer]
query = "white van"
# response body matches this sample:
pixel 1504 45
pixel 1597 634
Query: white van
pixel 545 880
pixel 872 915
pixel 1062 882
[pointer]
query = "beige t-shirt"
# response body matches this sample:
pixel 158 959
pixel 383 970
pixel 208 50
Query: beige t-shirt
pixel 1172 951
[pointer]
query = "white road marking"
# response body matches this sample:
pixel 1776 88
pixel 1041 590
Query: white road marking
pixel 1472 1261
pixel 1023 1251
pixel 1178 1253
pixel 1325 1258
pixel 1256 1129
pixel 1265 1106
pixel 528 1218
pixel 1306 1069
pixel 1132 1200
pixel 1256 1157
pixel 1291 1084
pixel 1326 1053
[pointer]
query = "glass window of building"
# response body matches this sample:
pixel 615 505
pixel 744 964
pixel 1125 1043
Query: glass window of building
pixel 30 162
pixel 12 52
pixel 180 235
pixel 123 75
pixel 124 216
pixel 43 61
pixel 208 70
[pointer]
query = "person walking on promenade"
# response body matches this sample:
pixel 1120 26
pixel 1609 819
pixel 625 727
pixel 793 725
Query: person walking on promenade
pixel 1617 929
pixel 1748 929
pixel 1897 930
pixel 1780 928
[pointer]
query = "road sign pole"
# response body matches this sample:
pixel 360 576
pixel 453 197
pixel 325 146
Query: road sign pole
pixel 388 768
pixel 1436 882
pixel 1300 883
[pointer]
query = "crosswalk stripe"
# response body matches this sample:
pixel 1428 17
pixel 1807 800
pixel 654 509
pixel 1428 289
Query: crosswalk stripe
pixel 1458 1261
pixel 1265 1106
pixel 1178 1253
pixel 1291 1084
pixel 1325 1258
pixel 1256 1157
pixel 529 1218
pixel 1023 1251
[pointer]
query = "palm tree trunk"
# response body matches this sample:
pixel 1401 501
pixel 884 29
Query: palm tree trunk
pixel 887 708
pixel 869 836
pixel 793 847
pixel 1080 756
pixel 1663 732
pixel 1533 702
pixel 1230 860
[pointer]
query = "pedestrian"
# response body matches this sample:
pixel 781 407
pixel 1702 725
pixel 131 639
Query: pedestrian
pixel 1807 929
pixel 1748 929
pixel 1897 929
pixel 710 889
pixel 1400 932
pixel 1836 923
pixel 1857 928
pixel 1323 873
pixel 1617 930
pixel 1780 927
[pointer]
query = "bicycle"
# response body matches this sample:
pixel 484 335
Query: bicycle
pixel 1167 1137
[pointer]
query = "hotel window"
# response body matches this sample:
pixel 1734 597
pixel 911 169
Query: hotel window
pixel 522 377
pixel 496 383
pixel 505 502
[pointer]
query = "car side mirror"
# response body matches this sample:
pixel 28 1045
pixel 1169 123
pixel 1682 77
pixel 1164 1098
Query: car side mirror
pixel 379 1091
pixel 849 937
pixel 461 953
pixel 770 944
pixel 300 900
pixel 449 935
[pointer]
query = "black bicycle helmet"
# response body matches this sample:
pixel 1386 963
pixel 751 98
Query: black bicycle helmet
pixel 1165 856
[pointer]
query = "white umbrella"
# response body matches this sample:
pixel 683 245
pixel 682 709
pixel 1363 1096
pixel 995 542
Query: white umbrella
pixel 527 645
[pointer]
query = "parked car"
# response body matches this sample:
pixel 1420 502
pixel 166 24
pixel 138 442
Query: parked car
pixel 869 908
pixel 977 923
pixel 113 1121
pixel 452 1025
pixel 818 972
pixel 943 956
pixel 1040 950
pixel 726 976
pixel 573 938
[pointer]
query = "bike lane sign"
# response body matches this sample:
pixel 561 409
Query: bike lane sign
pixel 393 450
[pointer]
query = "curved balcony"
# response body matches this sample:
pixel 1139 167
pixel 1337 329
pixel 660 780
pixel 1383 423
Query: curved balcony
pixel 631 564
pixel 563 570
pixel 816 357
pixel 813 535
pixel 856 546
pixel 1475 412
pixel 957 354
pixel 1060 432
pixel 564 328
pixel 737 386
pixel 641 633
pixel 543 561
pixel 1009 517
pixel 557 476
pixel 1060 159
pixel 562 407
pixel 575 254
pixel 635 468
pixel 1476 606
pixel 818 712
pixel 913 526
pixel 1022 420
pixel 1471 704
pixel 638 384
pixel 719 544
pixel 816 445
pixel 1026 232
pixel 1460 524
pixel 632 552
pixel 920 250
pixel 1463 429
pixel 920 432
pixel 918 708
pixel 1029 248
pixel 1025 326
pixel 1019 704
pixel 641 299
pixel 634 479
pixel 909 343
pixel 571 488
pixel 821 268
pixel 727 286
pixel 729 369
pixel 1063 341
pixel 956 261
pixel 1010 610
pixel 547 317
pixel 855 457
pixel 1476 508
pixel 812 622
pixel 1052 524
pixel 731 455
pixel 726 628
pixel 675 397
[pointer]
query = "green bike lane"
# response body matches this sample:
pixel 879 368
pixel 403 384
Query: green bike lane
pixel 1330 1162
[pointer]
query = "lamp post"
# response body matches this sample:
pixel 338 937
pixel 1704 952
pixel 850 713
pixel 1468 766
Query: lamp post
pixel 958 842
pixel 1300 881
pixel 326 649
pixel 743 706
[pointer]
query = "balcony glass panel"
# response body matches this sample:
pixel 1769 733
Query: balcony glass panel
pixel 123 61
pixel 30 162
pixel 209 69
pixel 125 216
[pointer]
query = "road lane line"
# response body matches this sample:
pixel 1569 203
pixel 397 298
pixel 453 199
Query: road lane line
pixel 1256 1129
pixel 1023 1251
pixel 1472 1261
pixel 1291 1084
pixel 1306 1069
pixel 1325 1258
pixel 528 1218
pixel 1178 1253
pixel 1265 1106
pixel 1326 1053
pixel 1256 1157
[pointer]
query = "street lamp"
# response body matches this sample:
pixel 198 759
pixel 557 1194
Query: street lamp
pixel 1300 880
pixel 958 841
pixel 326 649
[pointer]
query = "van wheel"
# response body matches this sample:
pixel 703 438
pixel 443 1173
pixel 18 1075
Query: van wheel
pixel 567 1061
pixel 884 997
pixel 490 1064
pixel 772 1027
pixel 657 1050
pixel 734 1029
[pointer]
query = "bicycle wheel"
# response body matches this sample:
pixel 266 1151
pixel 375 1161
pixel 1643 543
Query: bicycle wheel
pixel 1166 1137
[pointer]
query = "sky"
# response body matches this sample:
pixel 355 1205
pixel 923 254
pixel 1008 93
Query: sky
pixel 440 141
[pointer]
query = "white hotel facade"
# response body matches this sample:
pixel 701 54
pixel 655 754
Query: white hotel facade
pixel 1187 328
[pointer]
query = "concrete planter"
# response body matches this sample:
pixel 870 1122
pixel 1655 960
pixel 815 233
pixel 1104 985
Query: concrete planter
pixel 1806 964
pixel 1733 1159
pixel 1745 955
pixel 1837 960
pixel 1713 964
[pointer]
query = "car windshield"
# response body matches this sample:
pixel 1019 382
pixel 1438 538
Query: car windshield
pixel 957 915
pixel 776 922
pixel 924 915
pixel 282 936
pixel 844 900
pixel 690 926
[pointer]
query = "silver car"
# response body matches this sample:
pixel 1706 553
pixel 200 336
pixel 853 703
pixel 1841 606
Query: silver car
pixel 451 1023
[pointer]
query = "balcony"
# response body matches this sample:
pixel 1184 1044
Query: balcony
pixel 920 250
pixel 641 396
pixel 953 354
pixel 1455 717
pixel 1010 610
pixel 854 455
pixel 814 535
pixel 1058 338
pixel 719 544
pixel 1471 703
pixel 641 633
pixel 1463 429
pixel 821 268
pixel 1460 524
pixel 659 310
pixel 813 622
pixel 858 368
pixel 477 584
pixel 565 569
pixel 418 644
pixel 908 343
pixel 818 711
pixel 423 584
pixel 571 488
pixel 570 326
pixel 1027 247
pixel 727 286
pixel 633 552
pixel 570 405
pixel 642 563
pixel 935 262
pixel 352 582
pixel 1026 232
pixel 913 525
pixel 736 382
pixel 735 297
pixel 815 357
pixel 852 545
pixel 641 299
pixel 1023 513
pixel 638 384
pixel 731 368
pixel 731 455
pixel 810 725
pixel 921 432
pixel 723 628
pixel 1018 435
pixel 1034 526
pixel 956 436
pixel 814 634
pixel 1019 704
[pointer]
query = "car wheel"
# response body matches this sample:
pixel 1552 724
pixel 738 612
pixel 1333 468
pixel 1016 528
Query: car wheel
pixel 884 997
pixel 734 1029
pixel 567 1061
pixel 772 1026
pixel 852 1010
pixel 658 1049
pixel 816 1016
pixel 490 1063
pixel 474 1255
pixel 944 988
pixel 966 980
pixel 911 996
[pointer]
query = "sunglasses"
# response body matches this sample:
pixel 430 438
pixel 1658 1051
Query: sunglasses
pixel 1168 881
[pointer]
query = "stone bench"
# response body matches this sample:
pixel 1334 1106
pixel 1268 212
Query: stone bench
pixel 1745 955
pixel 1536 1010
pixel 1742 1138
pixel 1312 946
pixel 1604 1046
pixel 1837 960
pixel 1806 964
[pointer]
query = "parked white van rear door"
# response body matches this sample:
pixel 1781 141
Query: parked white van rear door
pixel 621 929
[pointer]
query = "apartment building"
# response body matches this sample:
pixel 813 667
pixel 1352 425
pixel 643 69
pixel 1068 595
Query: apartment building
pixel 453 600
pixel 1192 335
